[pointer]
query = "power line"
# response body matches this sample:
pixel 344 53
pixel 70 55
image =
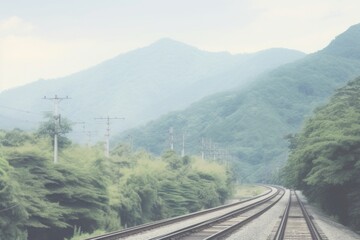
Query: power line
pixel 20 110
pixel 22 120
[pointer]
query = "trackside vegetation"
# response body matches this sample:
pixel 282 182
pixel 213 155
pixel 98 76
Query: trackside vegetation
pixel 86 193
pixel 325 156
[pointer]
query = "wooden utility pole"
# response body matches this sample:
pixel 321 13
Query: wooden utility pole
pixel 107 134
pixel 56 101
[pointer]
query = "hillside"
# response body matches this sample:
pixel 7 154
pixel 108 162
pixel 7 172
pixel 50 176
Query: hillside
pixel 138 85
pixel 252 122
pixel 324 160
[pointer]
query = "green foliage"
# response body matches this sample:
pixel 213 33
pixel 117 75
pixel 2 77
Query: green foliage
pixel 15 138
pixel 79 235
pixel 12 213
pixel 325 162
pixel 47 200
pixel 153 189
pixel 86 193
pixel 49 129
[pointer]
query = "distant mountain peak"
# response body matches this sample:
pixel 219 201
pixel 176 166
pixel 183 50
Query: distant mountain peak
pixel 167 40
pixel 169 43
pixel 346 44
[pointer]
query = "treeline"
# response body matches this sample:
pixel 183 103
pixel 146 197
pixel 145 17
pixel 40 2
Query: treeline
pixel 325 156
pixel 86 192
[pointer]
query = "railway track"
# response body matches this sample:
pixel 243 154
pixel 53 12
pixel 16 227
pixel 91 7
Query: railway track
pixel 296 223
pixel 146 227
pixel 221 226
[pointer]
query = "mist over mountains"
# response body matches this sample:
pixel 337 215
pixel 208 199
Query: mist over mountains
pixel 253 122
pixel 139 85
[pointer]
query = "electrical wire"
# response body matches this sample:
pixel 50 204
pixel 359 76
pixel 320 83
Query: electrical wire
pixel 20 110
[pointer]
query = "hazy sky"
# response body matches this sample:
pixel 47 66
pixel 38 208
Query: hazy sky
pixel 53 38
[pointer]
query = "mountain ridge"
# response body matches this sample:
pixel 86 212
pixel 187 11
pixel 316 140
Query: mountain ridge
pixel 253 121
pixel 139 85
pixel 348 43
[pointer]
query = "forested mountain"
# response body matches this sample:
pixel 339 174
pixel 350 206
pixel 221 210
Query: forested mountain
pixel 252 123
pixel 139 85
pixel 324 160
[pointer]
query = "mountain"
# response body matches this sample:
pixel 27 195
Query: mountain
pixel 139 85
pixel 253 122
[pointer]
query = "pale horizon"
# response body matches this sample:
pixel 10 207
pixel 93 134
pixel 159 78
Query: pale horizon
pixel 47 40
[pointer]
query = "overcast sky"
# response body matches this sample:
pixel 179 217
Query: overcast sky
pixel 54 38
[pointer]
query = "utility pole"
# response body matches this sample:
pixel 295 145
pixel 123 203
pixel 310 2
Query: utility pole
pixel 56 101
pixel 89 136
pixel 107 134
pixel 183 145
pixel 171 138
pixel 131 142
pixel 202 148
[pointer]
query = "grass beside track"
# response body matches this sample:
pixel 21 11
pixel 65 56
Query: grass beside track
pixel 247 191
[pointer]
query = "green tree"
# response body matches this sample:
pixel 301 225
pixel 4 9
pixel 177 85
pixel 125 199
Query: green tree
pixel 14 138
pixel 49 128
pixel 12 213
pixel 325 161
pixel 58 197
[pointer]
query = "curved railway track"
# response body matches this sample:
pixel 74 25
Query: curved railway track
pixel 221 226
pixel 146 227
pixel 296 222
pixel 240 210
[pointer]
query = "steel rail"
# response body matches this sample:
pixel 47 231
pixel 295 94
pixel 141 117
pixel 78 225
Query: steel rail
pixel 280 233
pixel 315 235
pixel 203 225
pixel 144 227
pixel 229 230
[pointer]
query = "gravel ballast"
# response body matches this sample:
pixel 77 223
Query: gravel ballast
pixel 261 228
pixel 332 229
pixel 185 223
pixel 264 227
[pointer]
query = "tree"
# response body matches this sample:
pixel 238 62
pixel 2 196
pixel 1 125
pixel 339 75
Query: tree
pixel 49 129
pixel 58 197
pixel 324 161
pixel 14 138
pixel 12 213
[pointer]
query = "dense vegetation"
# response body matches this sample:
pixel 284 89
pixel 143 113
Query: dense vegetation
pixel 87 192
pixel 252 122
pixel 325 156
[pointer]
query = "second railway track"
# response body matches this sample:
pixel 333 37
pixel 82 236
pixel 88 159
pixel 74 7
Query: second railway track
pixel 296 223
